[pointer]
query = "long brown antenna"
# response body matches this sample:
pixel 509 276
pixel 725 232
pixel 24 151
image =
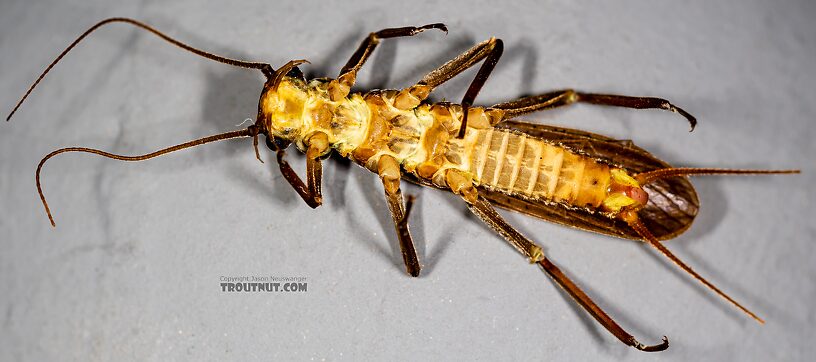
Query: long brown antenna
pixel 200 141
pixel 647 177
pixel 641 229
pixel 265 68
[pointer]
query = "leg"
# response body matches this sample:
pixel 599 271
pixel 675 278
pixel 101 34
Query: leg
pixel 489 50
pixel 485 211
pixel 568 96
pixel 389 172
pixel 310 192
pixel 340 87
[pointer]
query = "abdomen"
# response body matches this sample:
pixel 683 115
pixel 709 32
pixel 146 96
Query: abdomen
pixel 517 164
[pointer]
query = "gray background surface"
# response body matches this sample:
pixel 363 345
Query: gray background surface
pixel 132 269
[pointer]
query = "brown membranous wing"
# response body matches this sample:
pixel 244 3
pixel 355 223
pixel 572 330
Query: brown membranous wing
pixel 672 205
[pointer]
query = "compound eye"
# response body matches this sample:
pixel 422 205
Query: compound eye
pixel 296 73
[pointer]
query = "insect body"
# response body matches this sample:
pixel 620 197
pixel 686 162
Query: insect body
pixel 423 141
pixel 479 153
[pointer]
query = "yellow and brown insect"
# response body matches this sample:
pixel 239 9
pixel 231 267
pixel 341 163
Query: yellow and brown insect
pixel 571 177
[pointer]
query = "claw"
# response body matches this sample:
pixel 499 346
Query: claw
pixel 680 111
pixel 439 26
pixel 653 348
